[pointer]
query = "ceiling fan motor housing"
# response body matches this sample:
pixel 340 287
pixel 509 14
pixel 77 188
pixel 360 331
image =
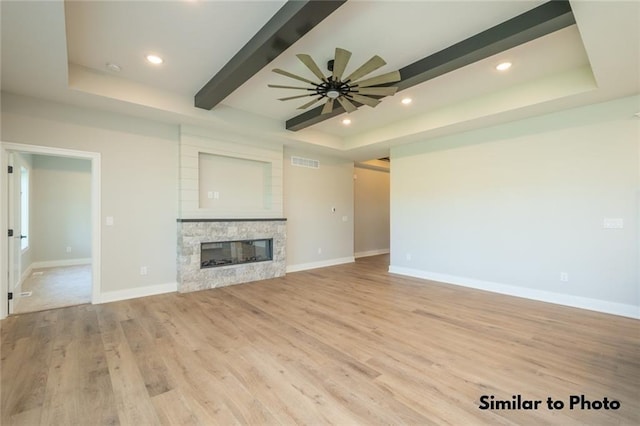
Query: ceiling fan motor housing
pixel 332 88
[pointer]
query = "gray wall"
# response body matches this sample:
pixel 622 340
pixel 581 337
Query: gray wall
pixel 310 195
pixel 509 208
pixel 139 182
pixel 371 204
pixel 139 189
pixel 61 208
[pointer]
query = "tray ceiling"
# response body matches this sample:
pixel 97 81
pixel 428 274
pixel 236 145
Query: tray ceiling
pixel 59 50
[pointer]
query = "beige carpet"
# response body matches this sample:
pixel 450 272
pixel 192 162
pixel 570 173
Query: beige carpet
pixel 55 288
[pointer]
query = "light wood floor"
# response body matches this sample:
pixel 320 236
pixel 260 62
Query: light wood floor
pixel 55 288
pixel 344 345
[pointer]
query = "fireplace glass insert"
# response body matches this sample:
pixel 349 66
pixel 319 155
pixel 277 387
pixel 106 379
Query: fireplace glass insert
pixel 235 252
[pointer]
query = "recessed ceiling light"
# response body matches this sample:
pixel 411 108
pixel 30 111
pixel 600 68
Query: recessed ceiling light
pixel 155 59
pixel 113 67
pixel 503 66
pixel 406 101
pixel 346 121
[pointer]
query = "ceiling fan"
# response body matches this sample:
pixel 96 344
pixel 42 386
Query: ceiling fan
pixel 344 90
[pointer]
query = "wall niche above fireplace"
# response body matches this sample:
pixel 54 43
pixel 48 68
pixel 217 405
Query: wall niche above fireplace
pixel 233 183
pixel 222 179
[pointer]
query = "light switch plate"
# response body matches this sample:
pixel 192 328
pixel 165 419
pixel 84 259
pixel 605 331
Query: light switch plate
pixel 613 223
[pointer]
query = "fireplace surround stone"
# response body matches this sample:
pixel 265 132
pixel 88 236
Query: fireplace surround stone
pixel 192 233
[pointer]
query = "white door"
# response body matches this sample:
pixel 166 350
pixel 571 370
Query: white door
pixel 14 215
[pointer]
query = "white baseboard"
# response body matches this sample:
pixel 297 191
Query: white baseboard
pixel 58 263
pixel 597 305
pixel 134 293
pixel 320 264
pixel 17 288
pixel 23 278
pixel 371 253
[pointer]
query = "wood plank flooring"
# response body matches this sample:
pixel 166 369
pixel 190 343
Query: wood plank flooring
pixel 350 344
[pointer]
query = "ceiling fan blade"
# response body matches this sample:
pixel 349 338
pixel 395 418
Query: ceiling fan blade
pixel 310 63
pixel 296 97
pixel 277 86
pixel 364 100
pixel 378 91
pixel 308 104
pixel 370 66
pixel 340 62
pixel 328 106
pixel 390 77
pixel 346 104
pixel 297 77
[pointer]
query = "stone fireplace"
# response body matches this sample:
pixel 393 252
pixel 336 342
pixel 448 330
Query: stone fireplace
pixel 220 252
pixel 230 225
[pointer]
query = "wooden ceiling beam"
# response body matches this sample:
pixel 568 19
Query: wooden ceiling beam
pixel 287 26
pixel 542 20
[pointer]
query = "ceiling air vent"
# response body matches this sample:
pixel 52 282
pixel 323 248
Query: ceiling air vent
pixel 305 162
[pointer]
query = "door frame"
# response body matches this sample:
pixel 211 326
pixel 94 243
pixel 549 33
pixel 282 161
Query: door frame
pixel 95 158
pixel 14 209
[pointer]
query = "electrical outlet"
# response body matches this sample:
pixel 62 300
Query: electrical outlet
pixel 319 250
pixel 408 256
pixel 564 277
pixel 68 249
pixel 143 270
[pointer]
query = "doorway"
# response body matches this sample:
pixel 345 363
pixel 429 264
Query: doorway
pixel 371 208
pixel 53 257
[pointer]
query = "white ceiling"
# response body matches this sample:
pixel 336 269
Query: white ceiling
pixel 58 50
pixel 195 38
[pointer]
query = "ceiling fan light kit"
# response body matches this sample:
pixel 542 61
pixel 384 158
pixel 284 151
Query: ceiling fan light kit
pixel 346 91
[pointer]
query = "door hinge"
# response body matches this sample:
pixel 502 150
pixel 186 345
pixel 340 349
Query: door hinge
pixel 10 233
pixel 10 169
pixel 10 296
